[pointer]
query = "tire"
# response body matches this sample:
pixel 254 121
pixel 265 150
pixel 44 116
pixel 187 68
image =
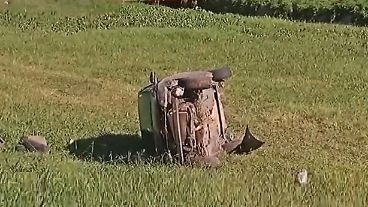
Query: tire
pixel 221 74
pixel 195 83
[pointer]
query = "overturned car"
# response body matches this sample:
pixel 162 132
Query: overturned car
pixel 182 118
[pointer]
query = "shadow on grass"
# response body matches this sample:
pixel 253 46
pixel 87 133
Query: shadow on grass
pixel 108 148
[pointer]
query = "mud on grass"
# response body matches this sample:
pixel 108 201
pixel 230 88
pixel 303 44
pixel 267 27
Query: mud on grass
pixel 300 87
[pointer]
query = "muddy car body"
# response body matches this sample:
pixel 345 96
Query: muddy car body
pixel 182 117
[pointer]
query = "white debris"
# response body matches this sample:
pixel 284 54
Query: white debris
pixel 302 177
pixel 71 141
pixel 35 143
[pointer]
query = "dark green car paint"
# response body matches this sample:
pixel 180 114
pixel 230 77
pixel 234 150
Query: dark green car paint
pixel 149 117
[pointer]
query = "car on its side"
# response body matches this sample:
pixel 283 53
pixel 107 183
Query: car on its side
pixel 182 118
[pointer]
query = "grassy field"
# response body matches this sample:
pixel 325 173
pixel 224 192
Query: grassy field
pixel 302 88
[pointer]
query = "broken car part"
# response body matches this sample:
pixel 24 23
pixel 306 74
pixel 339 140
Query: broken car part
pixel 33 144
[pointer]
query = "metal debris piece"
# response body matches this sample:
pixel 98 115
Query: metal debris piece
pixel 245 145
pixel 35 143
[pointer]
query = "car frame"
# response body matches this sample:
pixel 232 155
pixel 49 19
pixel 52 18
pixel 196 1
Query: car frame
pixel 182 118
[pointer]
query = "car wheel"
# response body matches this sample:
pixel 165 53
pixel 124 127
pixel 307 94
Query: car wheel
pixel 221 74
pixel 195 83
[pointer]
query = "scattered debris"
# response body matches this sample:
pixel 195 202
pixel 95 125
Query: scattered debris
pixel 302 177
pixel 33 144
pixel 71 141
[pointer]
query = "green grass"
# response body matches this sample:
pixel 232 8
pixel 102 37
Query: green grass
pixel 301 87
